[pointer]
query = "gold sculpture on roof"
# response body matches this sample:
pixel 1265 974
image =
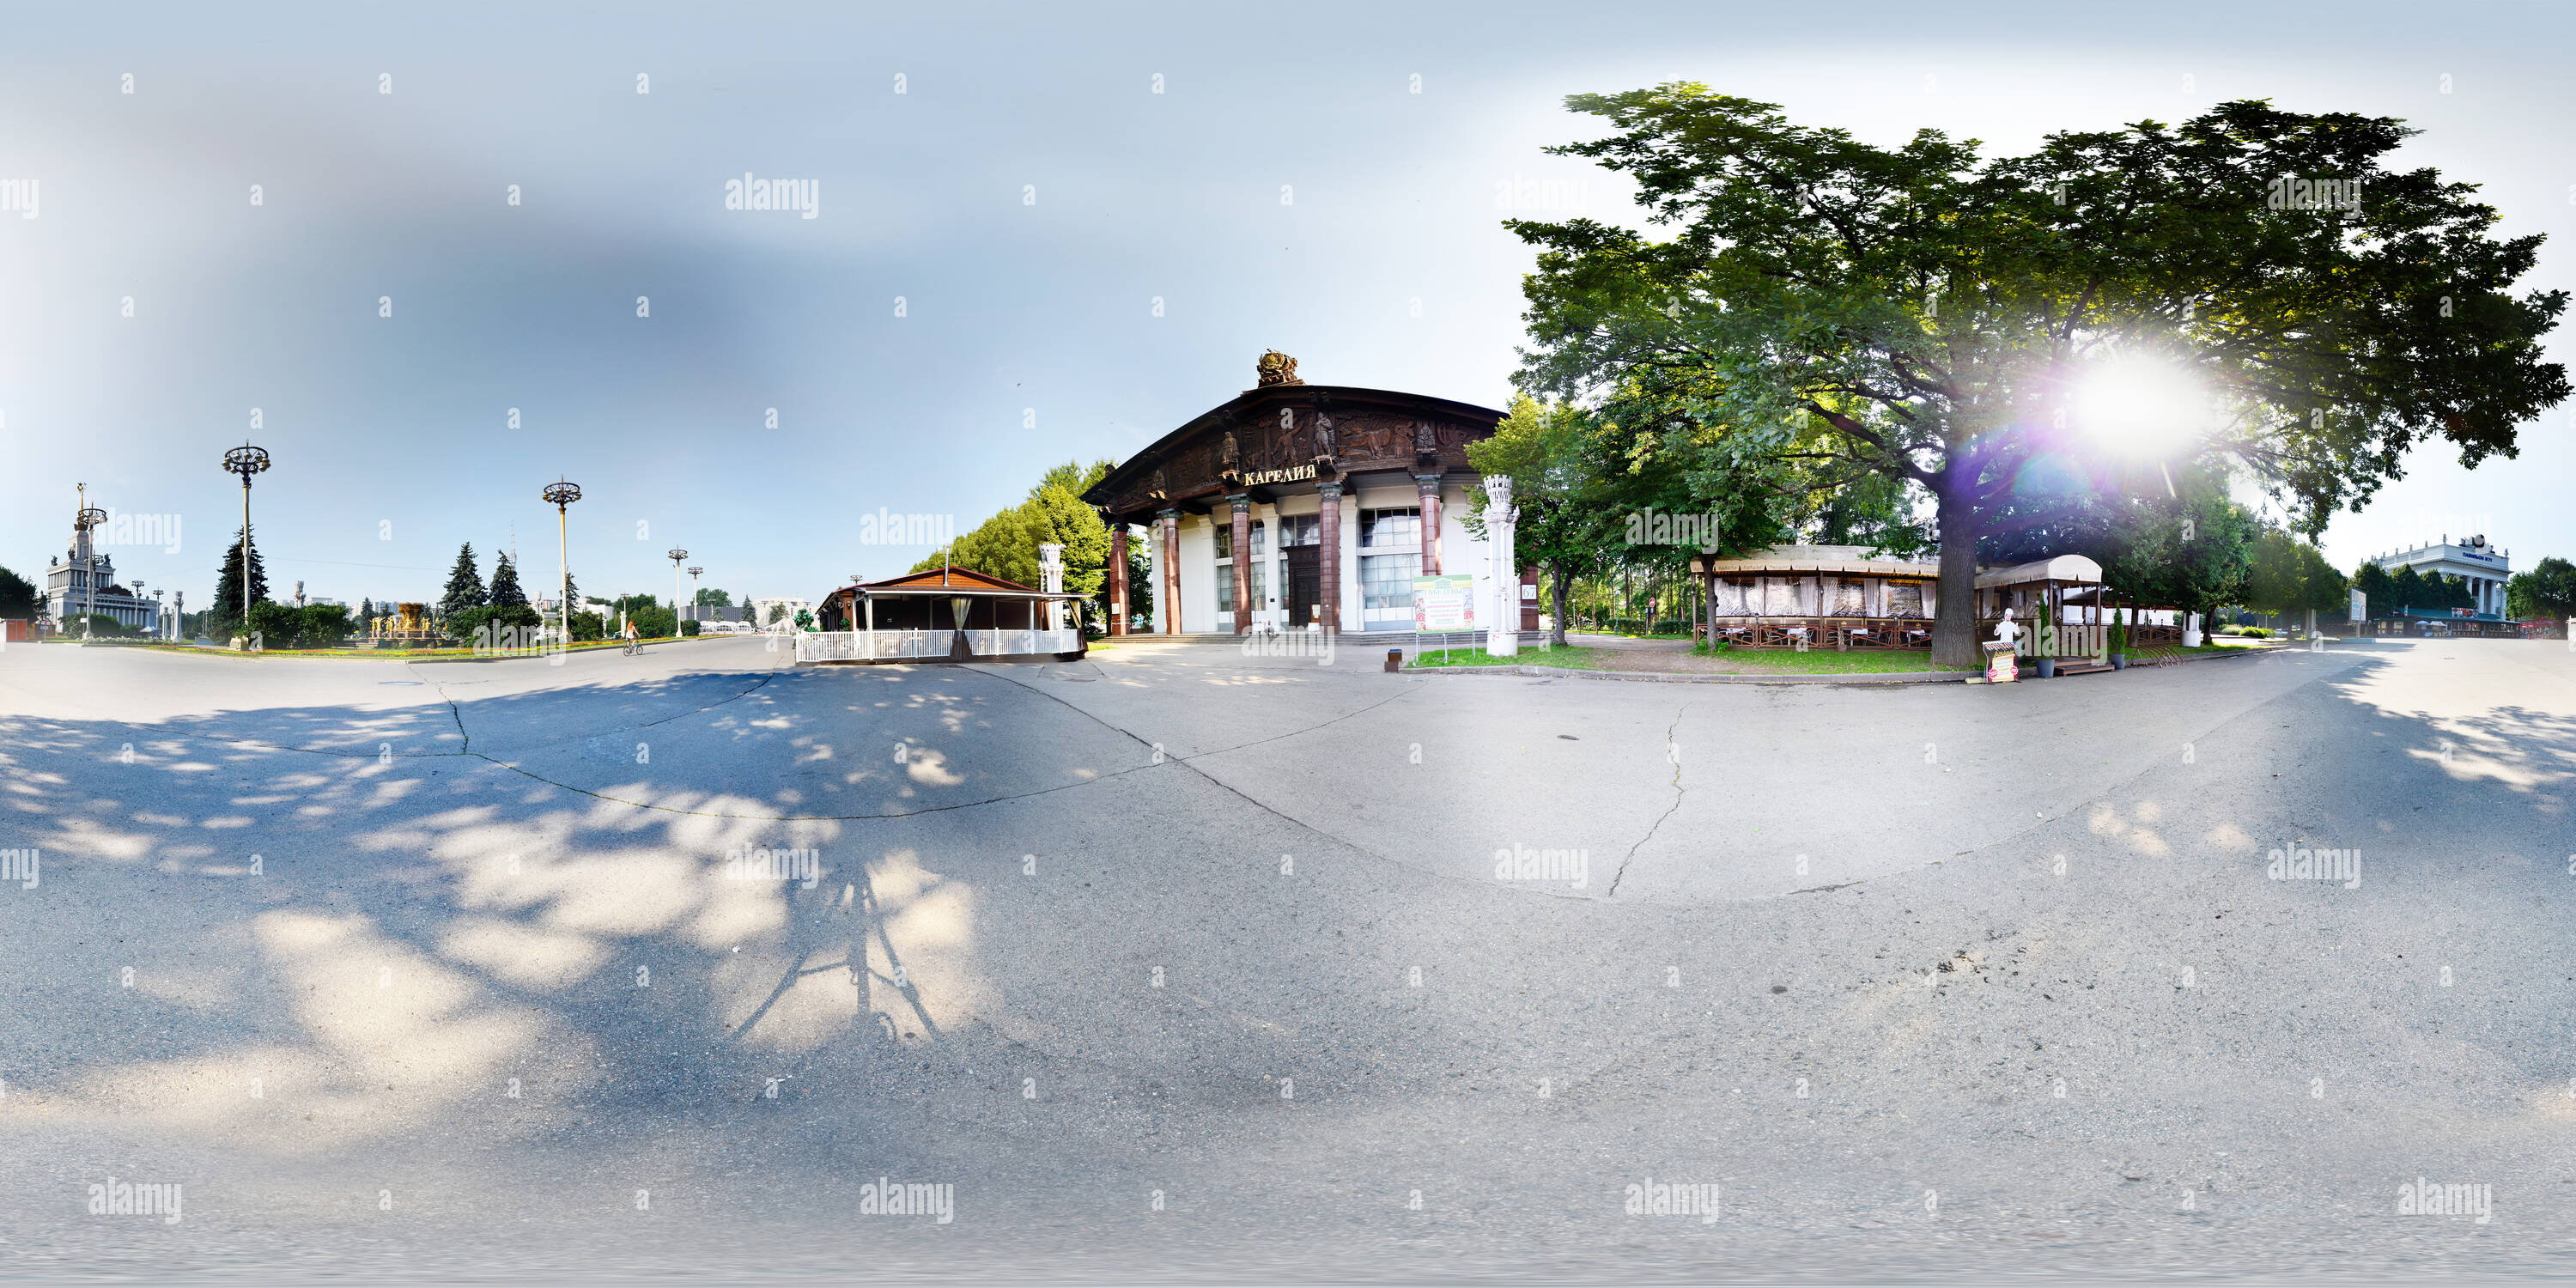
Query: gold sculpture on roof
pixel 1277 368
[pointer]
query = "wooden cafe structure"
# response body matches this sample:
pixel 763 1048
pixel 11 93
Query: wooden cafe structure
pixel 944 615
pixel 1842 598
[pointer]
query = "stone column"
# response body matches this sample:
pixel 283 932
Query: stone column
pixel 1328 530
pixel 1117 576
pixel 1429 486
pixel 1167 525
pixel 1503 630
pixel 1241 505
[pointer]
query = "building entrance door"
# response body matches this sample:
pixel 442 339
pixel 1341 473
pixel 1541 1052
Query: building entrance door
pixel 1305 583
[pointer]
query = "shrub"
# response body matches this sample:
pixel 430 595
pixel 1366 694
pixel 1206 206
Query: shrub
pixel 689 627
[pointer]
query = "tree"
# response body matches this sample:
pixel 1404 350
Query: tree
pixel 17 597
pixel 2407 590
pixel 713 598
pixel 226 611
pixel 464 585
pixel 2378 589
pixel 2548 590
pixel 2290 578
pixel 1931 317
pixel 505 591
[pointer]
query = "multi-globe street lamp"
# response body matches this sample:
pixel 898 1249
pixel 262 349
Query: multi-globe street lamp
pixel 87 519
pixel 693 592
pixel 245 461
pixel 563 494
pixel 676 555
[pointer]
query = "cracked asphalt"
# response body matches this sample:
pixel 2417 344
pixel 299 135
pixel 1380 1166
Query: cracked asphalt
pixel 1181 965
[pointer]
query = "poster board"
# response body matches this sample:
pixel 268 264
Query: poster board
pixel 1444 603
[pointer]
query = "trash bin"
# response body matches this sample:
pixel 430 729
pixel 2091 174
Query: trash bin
pixel 1394 660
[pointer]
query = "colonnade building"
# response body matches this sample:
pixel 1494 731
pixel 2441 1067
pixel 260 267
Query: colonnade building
pixel 1293 506
pixel 2484 567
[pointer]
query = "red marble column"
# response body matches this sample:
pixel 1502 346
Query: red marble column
pixel 1329 532
pixel 1241 504
pixel 1117 576
pixel 1429 486
pixel 1168 524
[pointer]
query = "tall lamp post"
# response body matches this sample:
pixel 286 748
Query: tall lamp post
pixel 87 518
pixel 676 555
pixel 138 597
pixel 563 494
pixel 245 461
pixel 693 592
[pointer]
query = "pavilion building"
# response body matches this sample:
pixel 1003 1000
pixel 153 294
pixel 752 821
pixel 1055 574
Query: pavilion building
pixel 1300 507
pixel 84 581
pixel 2485 568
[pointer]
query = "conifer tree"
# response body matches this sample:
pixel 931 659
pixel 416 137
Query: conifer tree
pixel 464 585
pixel 505 583
pixel 227 609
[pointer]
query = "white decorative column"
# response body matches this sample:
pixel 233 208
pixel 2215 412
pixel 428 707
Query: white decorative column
pixel 1051 580
pixel 1503 629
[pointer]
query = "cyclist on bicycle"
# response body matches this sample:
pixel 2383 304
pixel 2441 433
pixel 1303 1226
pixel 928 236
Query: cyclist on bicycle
pixel 634 645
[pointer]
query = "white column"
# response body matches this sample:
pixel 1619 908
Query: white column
pixel 1051 580
pixel 1503 629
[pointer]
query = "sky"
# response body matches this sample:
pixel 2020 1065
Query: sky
pixel 1021 252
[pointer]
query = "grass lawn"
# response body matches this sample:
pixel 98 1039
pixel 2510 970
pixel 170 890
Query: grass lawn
pixel 1579 658
pixel 1781 661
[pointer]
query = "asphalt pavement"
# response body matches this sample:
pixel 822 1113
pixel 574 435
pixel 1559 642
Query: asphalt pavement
pixel 1182 964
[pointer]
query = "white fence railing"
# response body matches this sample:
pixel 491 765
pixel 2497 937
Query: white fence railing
pixel 885 645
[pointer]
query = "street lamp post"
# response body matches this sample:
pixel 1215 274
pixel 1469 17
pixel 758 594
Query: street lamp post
pixel 87 519
pixel 563 494
pixel 693 592
pixel 245 461
pixel 138 595
pixel 676 555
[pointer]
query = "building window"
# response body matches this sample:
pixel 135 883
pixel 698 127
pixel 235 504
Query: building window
pixel 1300 530
pixel 1390 558
pixel 1392 528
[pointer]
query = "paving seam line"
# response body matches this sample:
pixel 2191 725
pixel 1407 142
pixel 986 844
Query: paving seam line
pixel 1686 677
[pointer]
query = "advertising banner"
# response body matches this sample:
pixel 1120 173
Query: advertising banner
pixel 1446 603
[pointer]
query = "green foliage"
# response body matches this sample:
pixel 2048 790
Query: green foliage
pixel 225 612
pixel 713 598
pixel 505 584
pixel 1831 309
pixel 804 619
pixel 2119 635
pixel 653 620
pixel 2547 590
pixel 464 585
pixel 484 626
pixel 17 597
pixel 100 626
pixel 2289 577
pixel 1006 545
pixel 689 627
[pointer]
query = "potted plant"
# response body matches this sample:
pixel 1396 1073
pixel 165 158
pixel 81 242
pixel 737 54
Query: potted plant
pixel 2119 646
pixel 2043 639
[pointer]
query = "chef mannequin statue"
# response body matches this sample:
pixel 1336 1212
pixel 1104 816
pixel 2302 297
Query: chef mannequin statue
pixel 2005 631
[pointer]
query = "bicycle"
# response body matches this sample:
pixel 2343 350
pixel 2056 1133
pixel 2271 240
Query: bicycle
pixel 634 646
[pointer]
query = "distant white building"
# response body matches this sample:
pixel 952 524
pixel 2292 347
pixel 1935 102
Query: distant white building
pixel 760 609
pixel 85 582
pixel 2484 567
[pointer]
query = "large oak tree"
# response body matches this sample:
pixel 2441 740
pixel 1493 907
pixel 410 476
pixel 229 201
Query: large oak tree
pixel 1926 314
